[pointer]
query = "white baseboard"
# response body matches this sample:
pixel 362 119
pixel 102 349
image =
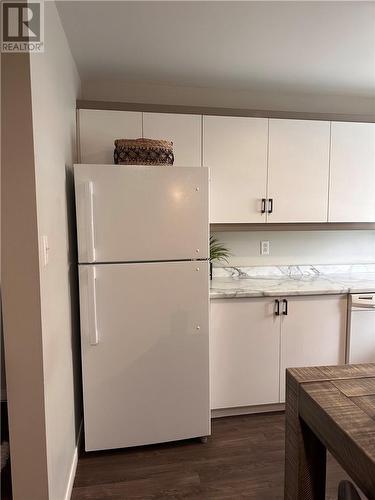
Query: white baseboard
pixel 246 410
pixel 73 467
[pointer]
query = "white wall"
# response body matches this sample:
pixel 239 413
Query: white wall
pixel 55 85
pixel 300 247
pixel 20 282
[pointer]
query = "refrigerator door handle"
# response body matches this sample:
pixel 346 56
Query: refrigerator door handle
pixel 89 197
pixel 93 320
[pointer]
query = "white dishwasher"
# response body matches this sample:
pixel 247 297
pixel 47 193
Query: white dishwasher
pixel 361 329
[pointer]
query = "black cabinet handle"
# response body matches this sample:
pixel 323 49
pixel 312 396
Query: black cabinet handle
pixel 285 308
pixel 270 205
pixel 277 309
pixel 263 209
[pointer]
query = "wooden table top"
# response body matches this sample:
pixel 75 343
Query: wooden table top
pixel 338 405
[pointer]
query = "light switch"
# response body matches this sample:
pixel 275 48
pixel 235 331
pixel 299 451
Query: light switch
pixel 45 247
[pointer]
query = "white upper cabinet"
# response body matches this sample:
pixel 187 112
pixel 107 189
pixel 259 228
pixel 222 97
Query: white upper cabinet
pixel 352 179
pixel 298 170
pixel 98 130
pixel 235 150
pixel 261 170
pixel 185 131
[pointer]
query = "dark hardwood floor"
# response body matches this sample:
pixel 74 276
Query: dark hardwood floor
pixel 244 458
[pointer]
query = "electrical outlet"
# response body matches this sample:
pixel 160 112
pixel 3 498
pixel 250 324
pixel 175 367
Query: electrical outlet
pixel 264 247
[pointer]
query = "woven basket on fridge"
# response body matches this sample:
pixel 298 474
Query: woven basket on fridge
pixel 143 152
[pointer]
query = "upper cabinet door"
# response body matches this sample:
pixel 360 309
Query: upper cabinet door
pixel 298 170
pixel 185 131
pixel 352 179
pixel 98 130
pixel 235 150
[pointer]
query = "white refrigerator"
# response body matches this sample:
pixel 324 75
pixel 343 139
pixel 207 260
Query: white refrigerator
pixel 143 237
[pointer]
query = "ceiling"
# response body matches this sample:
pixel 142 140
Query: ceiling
pixel 315 47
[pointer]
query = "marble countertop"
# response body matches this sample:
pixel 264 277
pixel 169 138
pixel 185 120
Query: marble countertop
pixel 276 281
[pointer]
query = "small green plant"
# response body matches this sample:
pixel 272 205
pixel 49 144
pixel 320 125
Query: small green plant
pixel 218 251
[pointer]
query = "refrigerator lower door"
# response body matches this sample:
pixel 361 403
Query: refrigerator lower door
pixel 134 214
pixel 145 362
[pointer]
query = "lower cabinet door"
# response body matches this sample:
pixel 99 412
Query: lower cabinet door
pixel 244 352
pixel 313 333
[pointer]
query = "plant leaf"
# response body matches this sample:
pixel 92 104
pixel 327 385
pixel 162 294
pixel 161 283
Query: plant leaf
pixel 218 251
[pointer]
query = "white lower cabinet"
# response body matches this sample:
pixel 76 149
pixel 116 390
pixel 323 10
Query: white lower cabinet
pixel 313 333
pixel 244 352
pixel 251 345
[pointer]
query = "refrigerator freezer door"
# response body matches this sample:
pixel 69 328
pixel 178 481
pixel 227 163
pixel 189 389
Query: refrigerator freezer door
pixel 134 214
pixel 146 380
